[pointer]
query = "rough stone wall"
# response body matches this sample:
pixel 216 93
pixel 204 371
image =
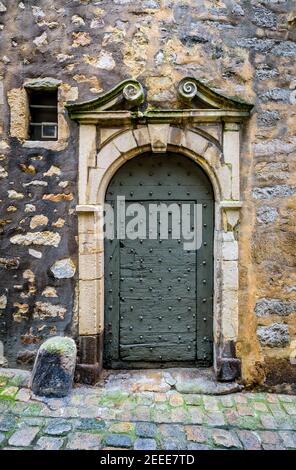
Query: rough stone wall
pixel 244 49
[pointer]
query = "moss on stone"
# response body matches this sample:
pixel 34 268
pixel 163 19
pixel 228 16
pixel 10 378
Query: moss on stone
pixel 114 397
pixel 8 393
pixel 3 381
pixel 60 345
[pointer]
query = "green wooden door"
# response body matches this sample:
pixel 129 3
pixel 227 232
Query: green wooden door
pixel 158 294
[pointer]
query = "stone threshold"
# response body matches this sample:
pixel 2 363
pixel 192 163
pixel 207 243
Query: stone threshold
pixel 183 380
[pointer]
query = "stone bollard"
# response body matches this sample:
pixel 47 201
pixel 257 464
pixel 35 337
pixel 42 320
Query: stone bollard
pixel 54 367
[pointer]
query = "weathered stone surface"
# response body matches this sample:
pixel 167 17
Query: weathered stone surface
pixel 3 8
pixel 3 172
pixel 90 423
pixel 26 357
pixel 7 423
pixel 176 400
pixel 84 441
pixel 30 208
pixel 80 39
pixel 118 440
pixel 54 367
pixel 23 395
pixel 196 434
pixel 58 428
pixel 41 40
pixel 145 444
pixel 3 302
pixel 53 171
pixel 49 443
pixel 58 197
pixel 9 263
pixel 16 377
pixel 289 438
pixel 266 307
pixel 35 253
pixel 45 310
pixel 203 382
pixel 274 336
pixel 23 437
pixel 264 17
pixel 249 439
pixel 38 220
pixel 12 194
pixel 267 215
pixel 268 118
pixel 9 392
pixel 47 83
pixel 63 269
pixel 2 438
pixel 224 438
pixel 275 146
pixel 273 192
pixel 146 430
pixel 285 49
pixel 50 291
pixel 45 238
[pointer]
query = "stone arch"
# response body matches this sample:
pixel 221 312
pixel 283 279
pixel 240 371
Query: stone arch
pixel 128 144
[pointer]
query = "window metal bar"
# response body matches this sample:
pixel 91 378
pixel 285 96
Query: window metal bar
pixel 43 106
pixel 42 123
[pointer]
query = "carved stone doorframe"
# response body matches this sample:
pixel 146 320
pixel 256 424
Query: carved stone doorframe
pixel 207 130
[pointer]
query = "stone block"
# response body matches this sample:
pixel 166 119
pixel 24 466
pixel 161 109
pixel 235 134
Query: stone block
pixel 230 250
pixel 283 308
pixel 23 437
pixel 230 275
pixel 274 336
pixel 63 269
pixel 107 155
pixel 176 136
pixel 142 136
pixel 49 443
pixel 195 142
pixel 90 266
pixel 145 444
pixel 54 367
pixel 125 142
pixel 90 299
pixel 159 134
pixel 84 441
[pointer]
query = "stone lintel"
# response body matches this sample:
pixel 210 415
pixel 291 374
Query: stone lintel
pixel 175 116
pixel 44 83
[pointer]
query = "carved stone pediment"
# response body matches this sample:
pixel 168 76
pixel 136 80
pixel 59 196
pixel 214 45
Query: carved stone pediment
pixel 197 95
pixel 125 104
pixel 128 94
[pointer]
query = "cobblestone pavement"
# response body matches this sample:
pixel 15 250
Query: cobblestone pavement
pixel 145 416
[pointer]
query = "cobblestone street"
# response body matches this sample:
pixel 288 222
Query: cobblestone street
pixel 145 414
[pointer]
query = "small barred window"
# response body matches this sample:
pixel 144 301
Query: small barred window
pixel 43 107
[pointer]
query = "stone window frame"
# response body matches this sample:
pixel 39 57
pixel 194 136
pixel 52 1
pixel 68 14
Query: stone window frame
pixel 107 139
pixel 18 101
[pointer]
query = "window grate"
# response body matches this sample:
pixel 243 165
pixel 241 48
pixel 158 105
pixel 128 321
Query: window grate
pixel 43 115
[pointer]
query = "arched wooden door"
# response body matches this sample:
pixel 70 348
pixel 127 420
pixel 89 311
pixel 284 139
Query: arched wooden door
pixel 158 294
